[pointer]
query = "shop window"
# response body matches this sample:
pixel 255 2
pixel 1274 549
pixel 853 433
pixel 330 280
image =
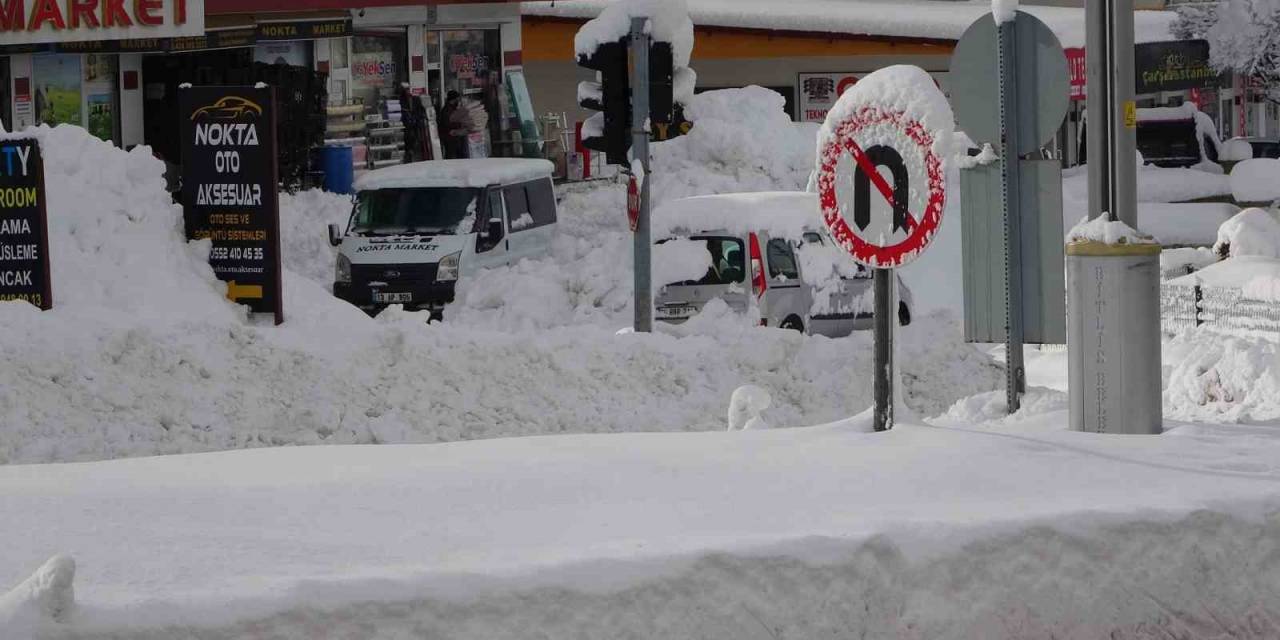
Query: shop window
pixel 378 66
pixel 56 92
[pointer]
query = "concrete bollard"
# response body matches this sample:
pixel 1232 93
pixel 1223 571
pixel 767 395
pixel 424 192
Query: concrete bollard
pixel 1113 337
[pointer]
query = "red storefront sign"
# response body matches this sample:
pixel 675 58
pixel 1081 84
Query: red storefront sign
pixel 1076 67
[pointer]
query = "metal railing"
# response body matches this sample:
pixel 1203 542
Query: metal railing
pixel 1185 307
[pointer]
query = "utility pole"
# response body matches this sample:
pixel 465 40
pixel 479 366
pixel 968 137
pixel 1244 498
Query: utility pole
pixel 1015 370
pixel 1111 116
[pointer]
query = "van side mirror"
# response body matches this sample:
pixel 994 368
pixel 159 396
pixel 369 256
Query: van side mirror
pixel 335 235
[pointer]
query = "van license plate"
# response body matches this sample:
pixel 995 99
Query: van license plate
pixel 393 298
pixel 676 311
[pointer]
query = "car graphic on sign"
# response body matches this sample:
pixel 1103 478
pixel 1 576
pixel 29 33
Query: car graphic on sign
pixel 228 108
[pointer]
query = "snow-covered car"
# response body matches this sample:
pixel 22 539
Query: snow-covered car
pixel 417 228
pixel 763 254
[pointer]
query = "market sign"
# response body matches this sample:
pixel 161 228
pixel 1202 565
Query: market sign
pixel 48 21
pixel 24 233
pixel 1172 66
pixel 304 30
pixel 229 193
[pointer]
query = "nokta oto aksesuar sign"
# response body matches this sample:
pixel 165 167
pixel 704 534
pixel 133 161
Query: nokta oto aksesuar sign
pixel 24 234
pixel 48 21
pixel 881 186
pixel 229 193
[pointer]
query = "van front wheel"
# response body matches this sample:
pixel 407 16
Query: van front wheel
pixel 794 323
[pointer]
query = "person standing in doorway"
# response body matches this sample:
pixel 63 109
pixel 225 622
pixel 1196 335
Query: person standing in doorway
pixel 453 127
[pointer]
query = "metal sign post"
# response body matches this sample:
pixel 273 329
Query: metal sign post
pixel 882 377
pixel 1015 376
pixel 1013 273
pixel 640 156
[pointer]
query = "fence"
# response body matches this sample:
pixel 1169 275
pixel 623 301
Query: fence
pixel 1187 307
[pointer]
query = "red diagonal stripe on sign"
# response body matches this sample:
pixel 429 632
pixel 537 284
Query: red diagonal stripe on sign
pixel 883 187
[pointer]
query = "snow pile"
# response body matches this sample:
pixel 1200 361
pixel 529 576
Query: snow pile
pixel 741 140
pixel 1155 184
pixel 118 250
pixel 1107 231
pixel 1019 529
pixel 1184 260
pixel 783 214
pixel 1252 232
pixel 1004 10
pixel 455 173
pixel 1262 289
pixel 1236 149
pixel 1222 378
pixel 668 22
pixel 1256 180
pixel 679 260
pixel 48 596
pixel 745 406
pixel 304 234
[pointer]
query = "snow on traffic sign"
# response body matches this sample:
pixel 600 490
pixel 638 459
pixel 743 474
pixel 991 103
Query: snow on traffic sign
pixel 882 167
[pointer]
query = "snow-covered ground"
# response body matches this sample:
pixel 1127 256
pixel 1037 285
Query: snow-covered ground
pixel 1011 528
pixel 960 523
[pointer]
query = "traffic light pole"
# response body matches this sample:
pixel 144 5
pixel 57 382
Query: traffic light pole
pixel 640 168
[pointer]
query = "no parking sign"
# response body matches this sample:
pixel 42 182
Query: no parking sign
pixel 882 166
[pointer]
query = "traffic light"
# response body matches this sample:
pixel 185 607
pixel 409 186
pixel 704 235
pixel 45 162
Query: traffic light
pixel 666 81
pixel 610 130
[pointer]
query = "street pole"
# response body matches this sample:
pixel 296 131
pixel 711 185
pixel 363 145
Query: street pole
pixel 1111 127
pixel 1015 370
pixel 640 155
pixel 882 377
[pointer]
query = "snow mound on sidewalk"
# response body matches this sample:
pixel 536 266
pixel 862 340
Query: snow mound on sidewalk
pixel 118 250
pixel 1256 180
pixel 741 140
pixel 47 596
pixel 1252 232
pixel 1222 378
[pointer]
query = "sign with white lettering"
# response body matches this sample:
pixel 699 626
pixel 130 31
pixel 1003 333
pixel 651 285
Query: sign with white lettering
pixel 46 21
pixel 229 192
pixel 24 233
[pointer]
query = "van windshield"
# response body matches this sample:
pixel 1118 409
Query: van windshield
pixel 728 261
pixel 444 210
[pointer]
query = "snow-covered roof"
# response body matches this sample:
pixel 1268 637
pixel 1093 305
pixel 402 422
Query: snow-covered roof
pixel 455 173
pixel 1233 273
pixel 930 19
pixel 778 213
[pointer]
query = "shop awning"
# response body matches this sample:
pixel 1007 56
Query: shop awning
pixel 220 7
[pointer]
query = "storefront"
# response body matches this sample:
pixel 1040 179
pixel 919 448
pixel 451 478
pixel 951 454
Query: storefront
pixel 58 72
pixel 472 50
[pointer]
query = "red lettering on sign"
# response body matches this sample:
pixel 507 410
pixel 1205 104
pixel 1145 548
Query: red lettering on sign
pixel 148 12
pixel 13 15
pixel 83 9
pixel 46 11
pixel 180 11
pixel 114 15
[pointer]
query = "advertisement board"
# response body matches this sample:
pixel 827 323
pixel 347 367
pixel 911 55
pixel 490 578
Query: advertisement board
pixel 24 231
pixel 229 188
pixel 46 21
pixel 818 92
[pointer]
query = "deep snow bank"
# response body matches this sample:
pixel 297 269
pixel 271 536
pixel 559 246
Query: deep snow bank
pixel 142 354
pixel 1016 529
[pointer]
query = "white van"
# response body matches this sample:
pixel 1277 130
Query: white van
pixel 767 255
pixel 417 228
